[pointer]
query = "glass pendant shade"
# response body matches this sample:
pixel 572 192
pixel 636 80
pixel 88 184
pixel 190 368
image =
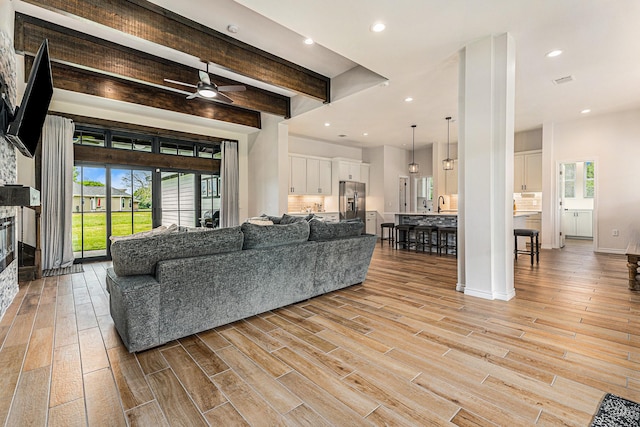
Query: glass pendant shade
pixel 447 164
pixel 413 166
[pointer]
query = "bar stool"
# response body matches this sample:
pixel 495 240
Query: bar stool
pixel 403 235
pixel 424 236
pixel 526 232
pixel 443 240
pixel 389 226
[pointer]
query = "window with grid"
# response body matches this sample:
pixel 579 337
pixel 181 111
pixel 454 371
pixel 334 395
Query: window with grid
pixel 570 180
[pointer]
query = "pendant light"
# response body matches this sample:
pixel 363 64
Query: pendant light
pixel 447 164
pixel 413 166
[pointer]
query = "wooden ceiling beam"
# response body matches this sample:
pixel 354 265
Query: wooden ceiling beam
pixel 148 21
pixel 72 47
pixel 83 81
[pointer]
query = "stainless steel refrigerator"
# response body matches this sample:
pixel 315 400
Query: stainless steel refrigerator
pixel 352 201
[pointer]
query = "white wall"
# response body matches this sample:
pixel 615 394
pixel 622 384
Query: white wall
pixel 612 141
pixel 375 158
pixel 268 163
pixel 396 164
pixel 316 147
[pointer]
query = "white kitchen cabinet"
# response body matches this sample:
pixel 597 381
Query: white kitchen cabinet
pixel 329 216
pixel 577 223
pixel 527 172
pixel 348 171
pixel 297 175
pixel 372 222
pixel 318 177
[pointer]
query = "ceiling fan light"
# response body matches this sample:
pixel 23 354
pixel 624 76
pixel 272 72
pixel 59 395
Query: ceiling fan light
pixel 207 93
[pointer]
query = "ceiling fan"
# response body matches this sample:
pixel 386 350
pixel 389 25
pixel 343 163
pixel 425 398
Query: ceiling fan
pixel 209 90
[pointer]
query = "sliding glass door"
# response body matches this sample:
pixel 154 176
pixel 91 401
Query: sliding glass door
pixel 90 198
pixel 131 201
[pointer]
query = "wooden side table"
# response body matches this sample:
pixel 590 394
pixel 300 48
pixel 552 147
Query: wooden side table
pixel 633 256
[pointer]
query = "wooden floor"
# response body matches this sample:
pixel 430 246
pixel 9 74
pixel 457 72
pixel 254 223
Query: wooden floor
pixel 403 348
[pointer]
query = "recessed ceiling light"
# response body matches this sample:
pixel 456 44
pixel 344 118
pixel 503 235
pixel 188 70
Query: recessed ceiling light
pixel 554 53
pixel 327 124
pixel 378 27
pixel 408 99
pixel 342 135
pixel 232 28
pixel 585 111
pixel 308 41
pixel 365 134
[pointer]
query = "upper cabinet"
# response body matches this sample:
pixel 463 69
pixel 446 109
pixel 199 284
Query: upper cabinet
pixel 318 176
pixel 297 175
pixel 527 172
pixel 309 176
pixel 348 171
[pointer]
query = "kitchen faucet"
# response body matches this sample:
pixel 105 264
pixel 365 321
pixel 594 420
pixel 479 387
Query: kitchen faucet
pixel 439 208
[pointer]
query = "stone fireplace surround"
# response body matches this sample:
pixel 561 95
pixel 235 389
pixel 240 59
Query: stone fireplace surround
pixel 8 169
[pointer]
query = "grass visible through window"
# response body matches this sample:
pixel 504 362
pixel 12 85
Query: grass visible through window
pixel 95 228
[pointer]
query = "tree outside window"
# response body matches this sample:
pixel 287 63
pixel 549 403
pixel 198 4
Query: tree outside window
pixel 589 180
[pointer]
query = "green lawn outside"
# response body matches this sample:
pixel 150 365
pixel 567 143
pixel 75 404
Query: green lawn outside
pixel 95 227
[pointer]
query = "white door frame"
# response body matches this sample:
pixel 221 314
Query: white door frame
pixel 556 208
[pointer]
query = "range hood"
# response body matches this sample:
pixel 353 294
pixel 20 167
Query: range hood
pixel 19 195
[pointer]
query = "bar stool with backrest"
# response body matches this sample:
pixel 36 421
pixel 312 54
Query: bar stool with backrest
pixel 444 232
pixel 533 250
pixel 424 237
pixel 403 235
pixel 389 226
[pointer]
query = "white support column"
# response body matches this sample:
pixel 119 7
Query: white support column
pixel 550 234
pixel 486 129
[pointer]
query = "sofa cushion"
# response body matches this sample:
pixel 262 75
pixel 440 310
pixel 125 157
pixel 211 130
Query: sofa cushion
pixel 290 219
pixel 266 236
pixel 274 219
pixel 163 229
pixel 140 256
pixel 320 230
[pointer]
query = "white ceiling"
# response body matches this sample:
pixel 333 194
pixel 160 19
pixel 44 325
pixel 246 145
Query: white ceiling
pixel 418 54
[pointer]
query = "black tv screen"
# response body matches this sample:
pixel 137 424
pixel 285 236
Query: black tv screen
pixel 25 129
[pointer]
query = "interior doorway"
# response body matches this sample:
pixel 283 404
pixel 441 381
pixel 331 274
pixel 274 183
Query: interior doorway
pixel 577 203
pixel 403 194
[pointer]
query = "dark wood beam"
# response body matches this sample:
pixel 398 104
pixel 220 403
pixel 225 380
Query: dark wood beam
pixel 99 155
pixel 150 22
pixel 88 82
pixel 73 47
pixel 133 128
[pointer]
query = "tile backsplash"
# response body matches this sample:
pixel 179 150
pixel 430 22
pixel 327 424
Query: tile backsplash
pixel 306 204
pixel 528 201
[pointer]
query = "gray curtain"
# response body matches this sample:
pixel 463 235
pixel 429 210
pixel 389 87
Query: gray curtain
pixel 57 192
pixel 229 176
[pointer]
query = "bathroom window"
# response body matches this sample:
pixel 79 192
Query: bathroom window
pixel 589 180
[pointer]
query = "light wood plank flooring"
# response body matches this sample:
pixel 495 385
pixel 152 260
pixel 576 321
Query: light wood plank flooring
pixel 403 348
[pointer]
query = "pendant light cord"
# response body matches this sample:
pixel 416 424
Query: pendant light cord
pixel 448 126
pixel 413 149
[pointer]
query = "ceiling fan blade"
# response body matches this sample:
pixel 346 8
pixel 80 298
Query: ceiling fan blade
pixel 232 88
pixel 222 98
pixel 193 95
pixel 204 77
pixel 179 83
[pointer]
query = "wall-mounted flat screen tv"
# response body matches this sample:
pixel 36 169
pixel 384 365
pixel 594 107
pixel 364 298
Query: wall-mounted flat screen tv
pixel 25 129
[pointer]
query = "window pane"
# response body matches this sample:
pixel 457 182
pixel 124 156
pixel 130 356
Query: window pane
pixel 210 201
pixel 589 170
pixel 570 171
pixel 95 139
pixel 178 199
pixel 589 189
pixel 166 148
pixel 89 212
pixel 569 189
pixel 121 142
pixel 185 150
pixel 142 145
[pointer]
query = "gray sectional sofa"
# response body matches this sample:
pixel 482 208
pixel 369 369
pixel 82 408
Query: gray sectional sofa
pixel 172 285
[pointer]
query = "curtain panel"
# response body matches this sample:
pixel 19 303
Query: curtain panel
pixel 229 183
pixel 57 192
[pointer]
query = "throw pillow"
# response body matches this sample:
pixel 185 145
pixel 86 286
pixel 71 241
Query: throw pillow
pixel 320 230
pixel 290 219
pixel 266 236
